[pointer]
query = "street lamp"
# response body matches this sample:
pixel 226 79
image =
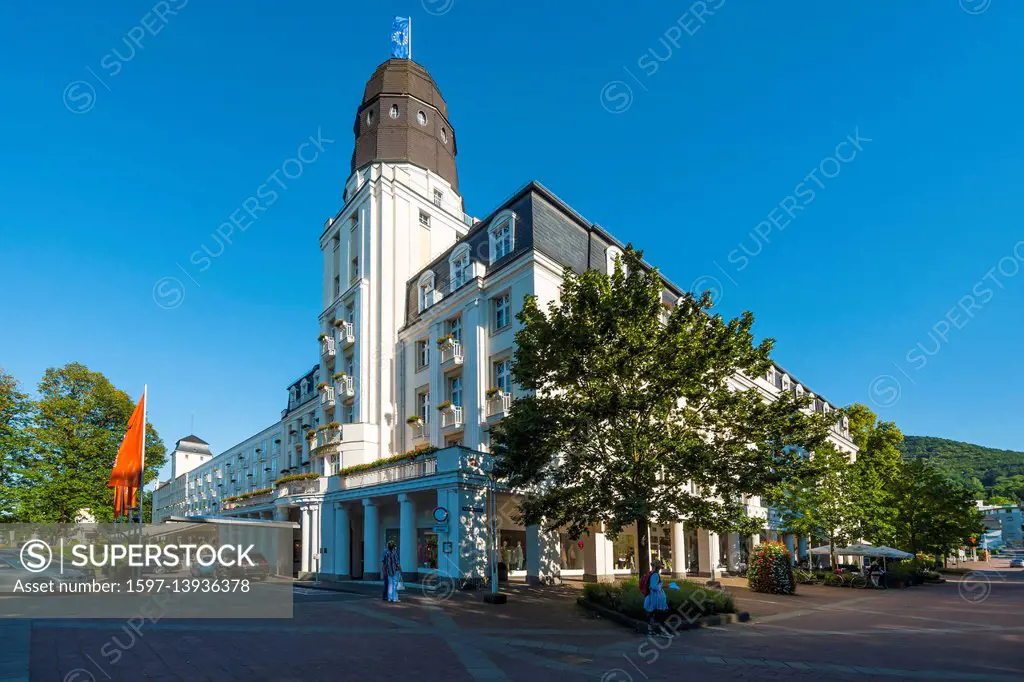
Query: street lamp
pixel 493 596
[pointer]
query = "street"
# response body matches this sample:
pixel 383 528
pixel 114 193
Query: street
pixel 961 630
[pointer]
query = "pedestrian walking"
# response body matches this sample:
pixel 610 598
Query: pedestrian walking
pixel 655 601
pixel 391 571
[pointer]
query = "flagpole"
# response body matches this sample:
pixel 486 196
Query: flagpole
pixel 410 39
pixel 142 473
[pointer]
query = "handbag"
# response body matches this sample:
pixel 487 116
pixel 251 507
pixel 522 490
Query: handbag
pixel 400 586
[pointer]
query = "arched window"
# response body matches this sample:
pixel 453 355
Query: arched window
pixel 502 235
pixel 394 111
pixel 426 293
pixel 421 117
pixel 459 262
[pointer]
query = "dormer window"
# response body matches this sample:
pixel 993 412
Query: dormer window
pixel 460 266
pixel 502 235
pixel 427 295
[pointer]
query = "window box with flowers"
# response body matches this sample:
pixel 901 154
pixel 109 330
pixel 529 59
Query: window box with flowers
pixel 415 419
pixel 445 341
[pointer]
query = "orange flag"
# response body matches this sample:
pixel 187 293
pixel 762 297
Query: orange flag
pixel 125 478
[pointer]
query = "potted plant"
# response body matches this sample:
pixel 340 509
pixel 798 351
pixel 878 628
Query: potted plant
pixel 322 385
pixel 311 434
pixel 415 419
pixel 338 376
pixel 322 337
pixel 492 393
pixel 339 323
pixel 442 341
pixel 444 405
pixel 333 426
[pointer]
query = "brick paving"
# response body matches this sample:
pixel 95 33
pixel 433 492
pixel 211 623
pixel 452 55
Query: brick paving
pixel 957 631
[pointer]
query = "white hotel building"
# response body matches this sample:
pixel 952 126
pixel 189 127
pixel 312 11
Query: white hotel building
pixel 417 335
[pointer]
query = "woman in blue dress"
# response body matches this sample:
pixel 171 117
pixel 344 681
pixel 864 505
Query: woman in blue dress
pixel 655 601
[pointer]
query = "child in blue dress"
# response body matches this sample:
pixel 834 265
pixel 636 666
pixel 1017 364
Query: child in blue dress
pixel 655 601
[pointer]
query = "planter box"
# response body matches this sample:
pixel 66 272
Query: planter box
pixel 642 627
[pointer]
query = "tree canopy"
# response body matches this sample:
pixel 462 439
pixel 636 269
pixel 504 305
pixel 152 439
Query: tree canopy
pixel 57 450
pixel 638 410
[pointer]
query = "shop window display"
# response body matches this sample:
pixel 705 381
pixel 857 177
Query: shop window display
pixel 512 549
pixel 571 552
pixel 625 552
pixel 426 549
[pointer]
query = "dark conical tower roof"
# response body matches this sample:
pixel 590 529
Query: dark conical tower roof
pixel 404 119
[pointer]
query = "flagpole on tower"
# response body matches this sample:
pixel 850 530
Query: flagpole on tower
pixel 410 39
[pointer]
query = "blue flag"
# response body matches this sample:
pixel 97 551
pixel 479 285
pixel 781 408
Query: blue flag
pixel 401 38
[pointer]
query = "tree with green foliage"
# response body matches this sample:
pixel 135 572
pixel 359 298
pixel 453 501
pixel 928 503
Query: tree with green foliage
pixel 935 513
pixel 986 471
pixel 76 429
pixel 15 414
pixel 634 413
pixel 822 500
pixel 878 465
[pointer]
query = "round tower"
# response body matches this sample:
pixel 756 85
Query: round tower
pixel 404 119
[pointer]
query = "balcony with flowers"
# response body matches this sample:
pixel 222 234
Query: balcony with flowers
pixel 498 404
pixel 451 352
pixel 346 333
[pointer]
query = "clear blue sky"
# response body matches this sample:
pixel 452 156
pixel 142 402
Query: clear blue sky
pixel 99 206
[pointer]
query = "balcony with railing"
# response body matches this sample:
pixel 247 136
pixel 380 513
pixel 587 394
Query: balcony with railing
pixel 451 417
pixel 345 386
pixel 390 474
pixel 327 396
pixel 304 486
pixel 266 497
pixel 327 346
pixel 419 428
pixel 328 440
pixel 451 353
pixel 498 405
pixel 346 334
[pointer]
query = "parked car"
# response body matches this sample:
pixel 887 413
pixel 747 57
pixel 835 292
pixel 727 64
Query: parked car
pixel 11 572
pixel 1017 563
pixel 260 570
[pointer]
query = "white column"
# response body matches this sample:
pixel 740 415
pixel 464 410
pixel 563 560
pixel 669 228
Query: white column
pixel 474 335
pixel 732 550
pixel 542 549
pixel 316 557
pixel 327 514
pixel 707 552
pixel 437 386
pixel 678 549
pixel 598 557
pixel 407 536
pixel 306 540
pixel 342 539
pixel 371 531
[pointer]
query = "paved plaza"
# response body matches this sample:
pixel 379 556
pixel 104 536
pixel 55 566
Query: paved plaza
pixel 956 631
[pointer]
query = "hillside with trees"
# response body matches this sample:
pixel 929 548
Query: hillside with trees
pixel 991 474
